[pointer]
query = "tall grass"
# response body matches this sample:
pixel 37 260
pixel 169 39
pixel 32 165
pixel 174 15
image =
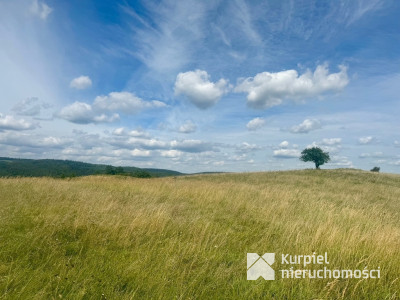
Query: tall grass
pixel 187 237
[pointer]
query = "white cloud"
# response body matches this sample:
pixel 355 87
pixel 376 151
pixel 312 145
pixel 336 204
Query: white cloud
pixel 286 153
pixel 366 140
pixel 33 141
pixel 284 144
pixel 306 126
pixel 81 83
pixel 246 147
pixel 330 145
pixel 124 102
pixel 123 132
pixel 28 107
pixel 170 153
pixel 270 89
pixel 188 127
pixel 192 146
pixel 396 163
pixel 341 161
pixel 8 122
pixel 82 113
pixel 140 153
pixel 40 9
pixel 198 89
pixel 255 124
pixel 373 155
pixel 99 111
pixel 331 142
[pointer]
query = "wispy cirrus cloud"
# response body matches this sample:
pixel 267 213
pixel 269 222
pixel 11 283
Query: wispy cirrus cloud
pixel 40 9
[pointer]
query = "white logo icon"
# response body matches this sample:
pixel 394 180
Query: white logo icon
pixel 260 266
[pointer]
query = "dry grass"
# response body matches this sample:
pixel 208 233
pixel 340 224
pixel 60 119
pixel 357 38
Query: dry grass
pixel 187 237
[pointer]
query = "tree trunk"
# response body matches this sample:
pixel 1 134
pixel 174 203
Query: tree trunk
pixel 316 166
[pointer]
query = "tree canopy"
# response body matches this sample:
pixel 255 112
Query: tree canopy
pixel 316 155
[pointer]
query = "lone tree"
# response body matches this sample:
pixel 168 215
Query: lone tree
pixel 315 155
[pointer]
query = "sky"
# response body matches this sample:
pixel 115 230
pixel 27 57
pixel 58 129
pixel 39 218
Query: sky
pixel 198 86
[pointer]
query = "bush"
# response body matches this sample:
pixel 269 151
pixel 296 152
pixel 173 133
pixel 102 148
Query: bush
pixel 375 169
pixel 141 174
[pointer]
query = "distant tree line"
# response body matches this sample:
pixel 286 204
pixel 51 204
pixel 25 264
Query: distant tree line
pixel 110 170
pixel 13 167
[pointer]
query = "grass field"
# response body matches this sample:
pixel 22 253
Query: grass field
pixel 187 237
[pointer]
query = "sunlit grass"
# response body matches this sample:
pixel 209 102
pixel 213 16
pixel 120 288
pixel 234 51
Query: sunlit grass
pixel 187 237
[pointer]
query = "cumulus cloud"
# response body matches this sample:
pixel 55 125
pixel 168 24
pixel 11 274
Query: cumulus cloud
pixel 140 153
pixel 246 147
pixel 124 102
pixel 366 140
pixel 286 153
pixel 341 161
pixel 187 127
pixel 193 146
pixel 199 90
pixel 40 9
pixel 331 142
pixel 27 140
pixel 255 124
pixel 270 89
pixel 284 144
pixel 83 113
pixel 81 83
pixel 123 132
pixel 171 153
pixel 329 145
pixel 104 108
pixel 8 122
pixel 306 126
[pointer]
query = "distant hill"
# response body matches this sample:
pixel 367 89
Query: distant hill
pixel 67 168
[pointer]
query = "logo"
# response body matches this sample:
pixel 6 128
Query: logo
pixel 298 267
pixel 260 266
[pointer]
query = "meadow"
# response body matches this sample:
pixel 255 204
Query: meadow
pixel 115 237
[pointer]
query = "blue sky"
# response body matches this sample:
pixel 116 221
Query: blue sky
pixel 201 85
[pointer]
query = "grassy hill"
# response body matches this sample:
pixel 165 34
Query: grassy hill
pixel 103 237
pixel 13 167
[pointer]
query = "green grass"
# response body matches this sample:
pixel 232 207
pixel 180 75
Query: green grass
pixel 187 237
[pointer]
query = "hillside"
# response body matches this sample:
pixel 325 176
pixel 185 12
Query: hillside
pixel 65 168
pixel 187 237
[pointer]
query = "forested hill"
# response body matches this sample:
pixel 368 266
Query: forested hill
pixel 67 168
